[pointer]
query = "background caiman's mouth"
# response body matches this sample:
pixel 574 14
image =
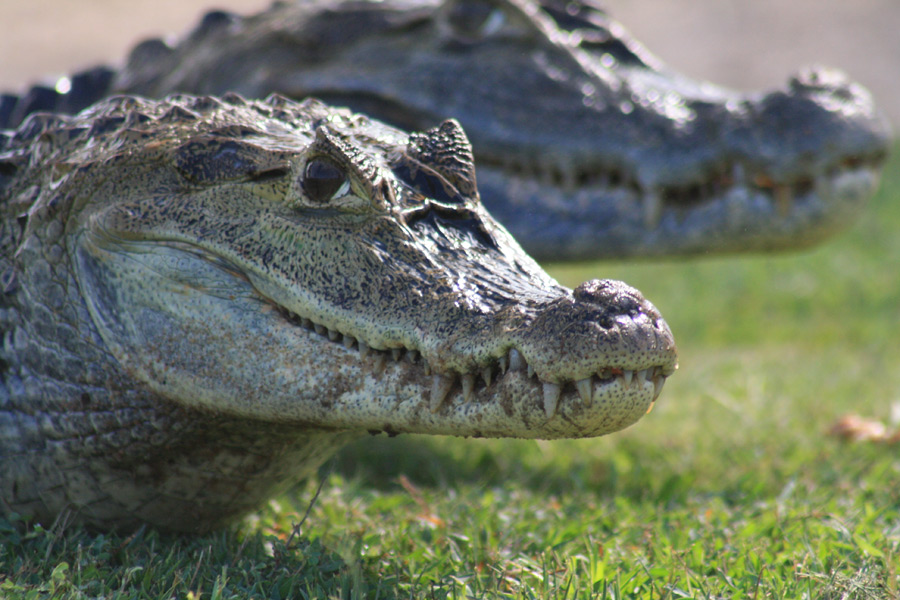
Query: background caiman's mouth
pixel 782 193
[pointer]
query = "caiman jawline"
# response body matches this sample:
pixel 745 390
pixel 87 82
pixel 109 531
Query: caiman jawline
pixel 571 178
pixel 446 385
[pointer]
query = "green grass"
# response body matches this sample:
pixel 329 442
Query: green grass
pixel 731 488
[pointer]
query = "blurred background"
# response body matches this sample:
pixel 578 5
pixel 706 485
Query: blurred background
pixel 744 44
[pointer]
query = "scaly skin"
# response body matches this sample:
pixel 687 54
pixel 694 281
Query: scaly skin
pixel 201 299
pixel 587 145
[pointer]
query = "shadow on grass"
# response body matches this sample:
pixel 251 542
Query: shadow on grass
pixel 72 562
pixel 633 470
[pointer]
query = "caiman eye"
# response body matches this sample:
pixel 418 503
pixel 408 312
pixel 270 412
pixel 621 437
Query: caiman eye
pixel 472 20
pixel 324 179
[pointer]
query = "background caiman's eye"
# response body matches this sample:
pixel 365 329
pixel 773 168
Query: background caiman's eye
pixel 472 20
pixel 324 179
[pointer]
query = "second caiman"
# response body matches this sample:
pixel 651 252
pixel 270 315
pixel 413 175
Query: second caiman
pixel 587 145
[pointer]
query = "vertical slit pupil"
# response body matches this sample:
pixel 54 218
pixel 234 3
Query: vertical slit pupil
pixel 323 179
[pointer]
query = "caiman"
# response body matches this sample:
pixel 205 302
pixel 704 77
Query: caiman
pixel 201 299
pixel 587 145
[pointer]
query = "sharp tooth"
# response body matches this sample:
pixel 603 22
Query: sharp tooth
pixel 585 389
pixel 412 356
pixel 468 386
pixel 516 362
pixel 652 207
pixel 349 340
pixel 440 387
pixel 380 362
pixel 363 349
pixel 487 374
pixel 551 398
pixel 397 353
pixel 642 376
pixel 320 329
pixel 502 363
pixel 334 335
pixel 658 382
pixel 530 371
pixel 426 367
pixel 627 375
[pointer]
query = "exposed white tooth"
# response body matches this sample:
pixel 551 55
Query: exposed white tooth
pixel 412 356
pixel 363 349
pixel 642 376
pixel 530 371
pixel 551 398
pixel 652 207
pixel 320 329
pixel 585 389
pixel 502 363
pixel 440 387
pixel 349 340
pixel 380 362
pixel 426 367
pixel 334 335
pixel 516 362
pixel 658 382
pixel 627 375
pixel 487 374
pixel 468 386
pixel 396 353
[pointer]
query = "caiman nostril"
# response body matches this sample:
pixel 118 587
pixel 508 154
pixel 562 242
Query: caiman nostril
pixel 614 296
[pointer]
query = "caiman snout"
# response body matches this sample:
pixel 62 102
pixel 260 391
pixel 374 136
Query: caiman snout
pixel 604 328
pixel 615 298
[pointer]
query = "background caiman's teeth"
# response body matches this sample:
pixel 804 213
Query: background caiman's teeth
pixel 443 384
pixel 655 200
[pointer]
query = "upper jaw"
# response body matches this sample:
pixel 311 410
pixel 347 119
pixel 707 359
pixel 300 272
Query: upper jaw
pixel 557 388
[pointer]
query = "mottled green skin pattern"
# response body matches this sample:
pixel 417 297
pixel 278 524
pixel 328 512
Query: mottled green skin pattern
pixel 202 299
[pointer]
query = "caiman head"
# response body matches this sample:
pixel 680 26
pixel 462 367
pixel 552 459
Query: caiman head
pixel 295 263
pixel 586 144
